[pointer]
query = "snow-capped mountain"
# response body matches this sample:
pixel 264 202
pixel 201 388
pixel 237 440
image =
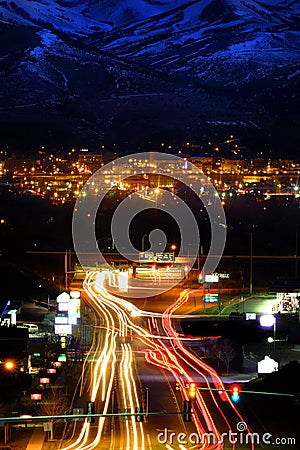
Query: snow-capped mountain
pixel 91 64
pixel 176 34
pixel 223 40
pixel 82 16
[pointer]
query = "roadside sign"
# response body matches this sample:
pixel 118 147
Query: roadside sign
pixel 48 426
pixel 250 316
pixel 211 298
pixel 165 257
pixel 78 411
pixel 146 257
pixel 214 278
pixel 222 275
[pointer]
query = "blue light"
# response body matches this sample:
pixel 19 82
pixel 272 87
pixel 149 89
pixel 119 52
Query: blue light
pixel 235 398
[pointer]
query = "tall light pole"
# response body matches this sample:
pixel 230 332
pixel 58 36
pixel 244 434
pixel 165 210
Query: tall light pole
pixel 147 401
pixel 242 288
pixel 268 321
pixel 143 242
pixel 251 264
pixel 66 268
pixel 296 253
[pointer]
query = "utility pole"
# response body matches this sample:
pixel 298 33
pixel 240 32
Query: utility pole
pixel 66 269
pixel 147 401
pixel 242 289
pixel 296 253
pixel 251 264
pixel 68 264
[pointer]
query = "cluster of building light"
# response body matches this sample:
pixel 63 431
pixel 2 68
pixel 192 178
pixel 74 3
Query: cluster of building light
pixel 61 179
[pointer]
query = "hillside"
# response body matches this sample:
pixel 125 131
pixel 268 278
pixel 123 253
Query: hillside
pixel 86 71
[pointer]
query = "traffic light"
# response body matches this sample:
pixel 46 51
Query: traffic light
pixel 91 410
pixel 187 411
pixel 139 414
pixel 235 392
pixel 126 414
pixel 192 391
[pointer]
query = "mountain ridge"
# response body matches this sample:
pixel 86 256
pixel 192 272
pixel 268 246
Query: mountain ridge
pixel 104 70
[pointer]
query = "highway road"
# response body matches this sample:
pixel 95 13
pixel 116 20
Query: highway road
pixel 139 360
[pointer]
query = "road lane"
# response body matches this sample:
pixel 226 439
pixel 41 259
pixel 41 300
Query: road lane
pixel 137 346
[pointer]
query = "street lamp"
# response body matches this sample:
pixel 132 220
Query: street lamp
pixel 268 321
pixel 251 265
pixel 9 365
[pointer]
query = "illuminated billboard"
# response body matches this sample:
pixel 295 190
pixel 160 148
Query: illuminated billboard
pixel 63 298
pixel 60 320
pixel 62 329
pixel 74 310
pixel 146 256
pixel 211 298
pixel 164 257
pixel 214 278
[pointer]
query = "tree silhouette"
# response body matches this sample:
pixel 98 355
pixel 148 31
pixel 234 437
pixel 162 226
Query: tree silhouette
pixel 224 350
pixel 55 402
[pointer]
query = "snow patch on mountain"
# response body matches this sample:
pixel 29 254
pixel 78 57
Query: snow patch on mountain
pixel 121 13
pixel 48 39
pixel 208 39
pixel 42 13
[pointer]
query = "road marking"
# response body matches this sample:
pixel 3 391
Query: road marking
pixel 149 441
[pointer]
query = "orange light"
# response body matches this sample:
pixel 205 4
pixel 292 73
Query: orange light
pixel 9 365
pixel 44 380
pixel 35 396
pixel 26 416
pixel 235 389
pixel 192 391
